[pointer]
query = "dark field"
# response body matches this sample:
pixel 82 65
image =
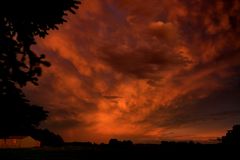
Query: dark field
pixel 140 151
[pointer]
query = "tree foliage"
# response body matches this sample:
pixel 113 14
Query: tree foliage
pixel 47 138
pixel 17 115
pixel 21 21
pixel 18 28
pixel 232 136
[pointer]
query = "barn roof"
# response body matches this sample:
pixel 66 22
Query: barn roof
pixel 16 137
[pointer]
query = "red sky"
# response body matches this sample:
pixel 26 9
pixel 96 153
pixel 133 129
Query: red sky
pixel 146 71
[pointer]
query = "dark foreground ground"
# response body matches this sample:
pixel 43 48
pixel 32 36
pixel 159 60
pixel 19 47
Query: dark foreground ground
pixel 133 152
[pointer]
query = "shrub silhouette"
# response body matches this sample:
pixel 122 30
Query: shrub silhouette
pixel 117 143
pixel 232 136
pixel 47 138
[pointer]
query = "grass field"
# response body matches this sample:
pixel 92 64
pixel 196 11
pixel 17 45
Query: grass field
pixel 129 152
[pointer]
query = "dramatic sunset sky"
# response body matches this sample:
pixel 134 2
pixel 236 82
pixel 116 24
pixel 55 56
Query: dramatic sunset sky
pixel 143 70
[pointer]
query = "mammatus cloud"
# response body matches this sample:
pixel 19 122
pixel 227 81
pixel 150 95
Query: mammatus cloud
pixel 143 71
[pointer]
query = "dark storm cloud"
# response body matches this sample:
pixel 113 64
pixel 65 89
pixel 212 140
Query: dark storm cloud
pixel 220 106
pixel 142 62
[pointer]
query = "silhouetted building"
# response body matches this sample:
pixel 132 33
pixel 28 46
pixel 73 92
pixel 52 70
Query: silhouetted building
pixel 19 142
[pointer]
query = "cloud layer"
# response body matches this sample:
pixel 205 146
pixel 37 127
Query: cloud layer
pixel 143 71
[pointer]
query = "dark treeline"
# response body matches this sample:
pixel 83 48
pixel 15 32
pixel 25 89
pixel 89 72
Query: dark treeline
pixel 231 138
pixel 226 148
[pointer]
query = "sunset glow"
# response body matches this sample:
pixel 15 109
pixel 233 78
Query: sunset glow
pixel 152 71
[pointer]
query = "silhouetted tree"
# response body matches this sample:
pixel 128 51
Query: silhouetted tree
pixel 21 21
pixel 117 143
pixel 17 115
pixel 114 142
pixel 47 138
pixel 232 136
pixel 18 28
pixel 127 143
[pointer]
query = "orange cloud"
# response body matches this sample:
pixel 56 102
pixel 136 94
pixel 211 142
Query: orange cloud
pixel 142 70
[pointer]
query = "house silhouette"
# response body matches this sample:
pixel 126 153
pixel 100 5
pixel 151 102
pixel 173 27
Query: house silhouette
pixel 19 142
